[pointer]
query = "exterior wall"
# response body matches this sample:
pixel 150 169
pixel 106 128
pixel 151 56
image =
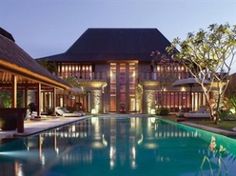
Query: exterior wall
pixel 162 75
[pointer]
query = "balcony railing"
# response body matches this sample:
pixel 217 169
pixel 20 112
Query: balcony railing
pixel 155 76
pixel 102 76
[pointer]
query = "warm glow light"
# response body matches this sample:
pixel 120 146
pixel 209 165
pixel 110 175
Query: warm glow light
pixel 97 145
pixel 133 75
pixel 57 150
pixel 153 111
pixel 183 89
pixel 232 110
pixel 94 120
pixel 152 119
pixel 150 146
pixel 18 169
pixel 73 128
pixel 93 111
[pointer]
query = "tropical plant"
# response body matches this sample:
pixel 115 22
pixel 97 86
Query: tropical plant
pixel 219 152
pixel 232 101
pixel 50 66
pixel 162 111
pixel 208 55
pixel 5 99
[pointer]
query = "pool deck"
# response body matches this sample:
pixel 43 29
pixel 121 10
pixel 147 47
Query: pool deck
pixel 34 127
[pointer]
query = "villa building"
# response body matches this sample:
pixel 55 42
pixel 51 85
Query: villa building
pixel 124 70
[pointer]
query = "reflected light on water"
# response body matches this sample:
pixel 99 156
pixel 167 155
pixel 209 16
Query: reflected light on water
pixel 150 145
pixel 21 154
pixel 133 164
pixel 123 145
pixel 104 140
pixel 112 164
pixel 42 158
pixel 141 139
pixel 18 169
pixel 97 145
pixel 133 152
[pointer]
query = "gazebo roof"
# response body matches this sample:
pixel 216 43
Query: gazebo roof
pixel 99 44
pixel 14 59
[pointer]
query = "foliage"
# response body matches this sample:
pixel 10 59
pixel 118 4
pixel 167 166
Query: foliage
pixel 208 55
pixel 225 114
pixel 216 159
pixel 232 101
pixel 162 111
pixel 72 81
pixel 5 99
pixel 50 66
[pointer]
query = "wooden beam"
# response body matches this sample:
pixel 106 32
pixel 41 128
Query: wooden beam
pixel 14 91
pixel 13 68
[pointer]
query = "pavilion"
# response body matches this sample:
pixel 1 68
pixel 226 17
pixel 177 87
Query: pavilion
pixel 23 80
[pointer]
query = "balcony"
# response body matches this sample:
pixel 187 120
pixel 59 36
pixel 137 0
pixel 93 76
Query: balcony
pixel 95 76
pixel 168 76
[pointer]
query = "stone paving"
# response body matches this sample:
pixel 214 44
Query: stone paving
pixel 33 126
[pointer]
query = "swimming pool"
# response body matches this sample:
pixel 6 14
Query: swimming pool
pixel 120 146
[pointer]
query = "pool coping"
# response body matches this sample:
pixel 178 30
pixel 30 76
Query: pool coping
pixel 211 129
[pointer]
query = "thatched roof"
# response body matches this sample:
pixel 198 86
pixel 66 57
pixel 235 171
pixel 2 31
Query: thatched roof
pixel 6 34
pixel 114 44
pixel 16 60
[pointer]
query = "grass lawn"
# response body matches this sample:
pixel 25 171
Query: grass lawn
pixel 226 125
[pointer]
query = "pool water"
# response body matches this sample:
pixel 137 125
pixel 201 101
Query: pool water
pixel 120 146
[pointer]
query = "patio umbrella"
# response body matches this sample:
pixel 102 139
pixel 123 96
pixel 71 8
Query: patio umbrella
pixel 190 82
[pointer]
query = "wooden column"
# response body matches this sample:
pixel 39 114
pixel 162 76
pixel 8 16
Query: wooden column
pixel 26 96
pixel 38 99
pixel 127 96
pixel 14 91
pixel 54 100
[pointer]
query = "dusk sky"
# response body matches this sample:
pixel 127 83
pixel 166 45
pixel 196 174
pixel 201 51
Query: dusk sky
pixel 47 27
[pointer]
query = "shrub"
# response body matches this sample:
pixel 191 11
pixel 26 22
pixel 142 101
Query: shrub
pixel 162 111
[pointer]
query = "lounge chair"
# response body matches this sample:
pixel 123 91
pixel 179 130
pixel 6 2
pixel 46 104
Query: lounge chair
pixel 197 115
pixel 201 113
pixel 30 115
pixel 65 113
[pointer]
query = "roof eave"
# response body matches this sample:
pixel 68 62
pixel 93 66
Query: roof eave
pixel 32 75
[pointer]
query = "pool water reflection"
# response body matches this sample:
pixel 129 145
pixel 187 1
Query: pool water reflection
pixel 124 146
